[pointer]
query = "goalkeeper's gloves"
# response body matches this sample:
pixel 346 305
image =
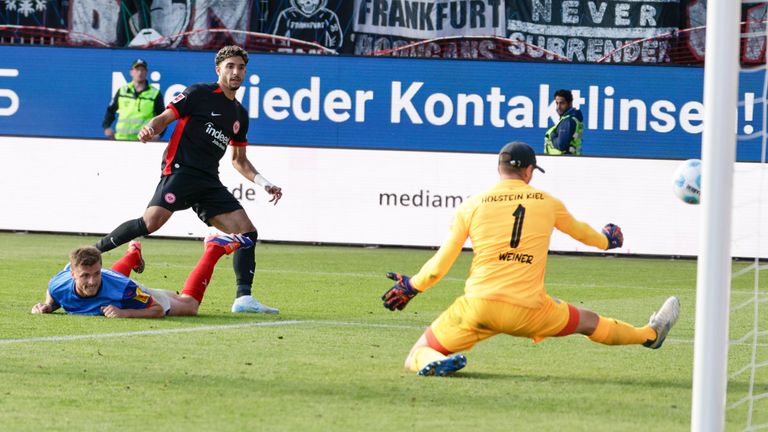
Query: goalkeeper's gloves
pixel 614 235
pixel 399 295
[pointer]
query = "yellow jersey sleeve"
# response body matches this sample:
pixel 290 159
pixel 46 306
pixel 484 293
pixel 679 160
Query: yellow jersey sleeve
pixel 437 266
pixel 580 231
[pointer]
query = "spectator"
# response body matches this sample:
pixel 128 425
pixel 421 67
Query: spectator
pixel 135 103
pixel 564 138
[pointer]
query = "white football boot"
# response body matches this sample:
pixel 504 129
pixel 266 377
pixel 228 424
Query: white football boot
pixel 249 304
pixel 663 320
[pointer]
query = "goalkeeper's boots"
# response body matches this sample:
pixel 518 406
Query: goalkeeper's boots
pixel 230 242
pixel 247 303
pixel 135 245
pixel 445 367
pixel 663 320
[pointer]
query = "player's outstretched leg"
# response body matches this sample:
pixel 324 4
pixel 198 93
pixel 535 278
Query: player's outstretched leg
pixel 124 233
pixel 663 320
pixel 215 247
pixel 610 331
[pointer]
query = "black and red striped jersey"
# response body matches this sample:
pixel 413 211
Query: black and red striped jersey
pixel 208 121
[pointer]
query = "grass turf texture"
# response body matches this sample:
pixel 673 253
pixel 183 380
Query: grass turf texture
pixel 340 366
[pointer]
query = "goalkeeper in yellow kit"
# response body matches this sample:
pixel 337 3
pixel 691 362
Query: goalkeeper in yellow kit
pixel 510 226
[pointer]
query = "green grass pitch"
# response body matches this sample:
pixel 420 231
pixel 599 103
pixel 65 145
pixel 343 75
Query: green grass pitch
pixel 332 360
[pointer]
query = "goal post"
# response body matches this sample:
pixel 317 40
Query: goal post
pixel 713 277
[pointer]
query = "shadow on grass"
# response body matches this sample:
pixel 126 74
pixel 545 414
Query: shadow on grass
pixel 571 380
pixel 228 318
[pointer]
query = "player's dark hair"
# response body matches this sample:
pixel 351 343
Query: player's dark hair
pixel 231 51
pixel 84 256
pixel 563 93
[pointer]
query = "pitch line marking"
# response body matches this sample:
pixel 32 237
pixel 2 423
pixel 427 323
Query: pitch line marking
pixel 196 329
pixel 250 325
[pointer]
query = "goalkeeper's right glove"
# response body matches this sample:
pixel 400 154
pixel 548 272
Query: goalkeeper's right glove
pixel 614 235
pixel 399 295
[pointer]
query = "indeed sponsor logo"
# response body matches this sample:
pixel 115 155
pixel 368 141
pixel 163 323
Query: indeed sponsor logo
pixel 219 138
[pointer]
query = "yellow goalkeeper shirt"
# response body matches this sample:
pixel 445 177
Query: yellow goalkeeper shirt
pixel 510 226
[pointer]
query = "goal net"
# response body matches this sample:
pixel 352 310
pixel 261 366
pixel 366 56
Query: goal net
pixel 747 401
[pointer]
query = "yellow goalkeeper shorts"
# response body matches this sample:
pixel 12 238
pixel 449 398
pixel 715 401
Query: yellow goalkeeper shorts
pixel 470 320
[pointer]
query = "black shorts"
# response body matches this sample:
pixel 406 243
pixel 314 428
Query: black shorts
pixel 207 196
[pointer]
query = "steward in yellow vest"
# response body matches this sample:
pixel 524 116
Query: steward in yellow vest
pixel 565 136
pixel 134 103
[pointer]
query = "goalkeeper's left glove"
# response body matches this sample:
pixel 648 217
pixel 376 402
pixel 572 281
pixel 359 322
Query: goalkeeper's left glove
pixel 614 235
pixel 399 295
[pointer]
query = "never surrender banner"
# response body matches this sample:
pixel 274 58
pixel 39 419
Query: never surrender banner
pixel 589 30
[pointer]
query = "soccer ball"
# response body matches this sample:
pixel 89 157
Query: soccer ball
pixel 686 182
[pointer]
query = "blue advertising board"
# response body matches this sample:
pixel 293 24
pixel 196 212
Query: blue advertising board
pixel 386 103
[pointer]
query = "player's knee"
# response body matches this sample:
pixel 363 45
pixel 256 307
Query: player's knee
pixel 153 223
pixel 154 218
pixel 588 321
pixel 152 227
pixel 408 361
pixel 190 308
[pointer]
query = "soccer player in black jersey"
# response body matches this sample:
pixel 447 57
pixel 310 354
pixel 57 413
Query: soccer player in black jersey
pixel 210 119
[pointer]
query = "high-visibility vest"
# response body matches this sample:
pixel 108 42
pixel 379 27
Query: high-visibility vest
pixel 575 144
pixel 134 110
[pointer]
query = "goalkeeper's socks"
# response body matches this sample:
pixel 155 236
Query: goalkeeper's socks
pixel 125 264
pixel 611 331
pixel 200 276
pixel 126 232
pixel 424 356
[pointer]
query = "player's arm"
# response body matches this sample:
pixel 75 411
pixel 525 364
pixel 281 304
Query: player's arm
pixel 431 272
pixel 439 265
pixel 49 306
pixel 244 166
pixel 610 238
pixel 154 310
pixel 157 125
pixel 136 303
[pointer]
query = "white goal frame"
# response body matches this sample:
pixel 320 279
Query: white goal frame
pixel 713 277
